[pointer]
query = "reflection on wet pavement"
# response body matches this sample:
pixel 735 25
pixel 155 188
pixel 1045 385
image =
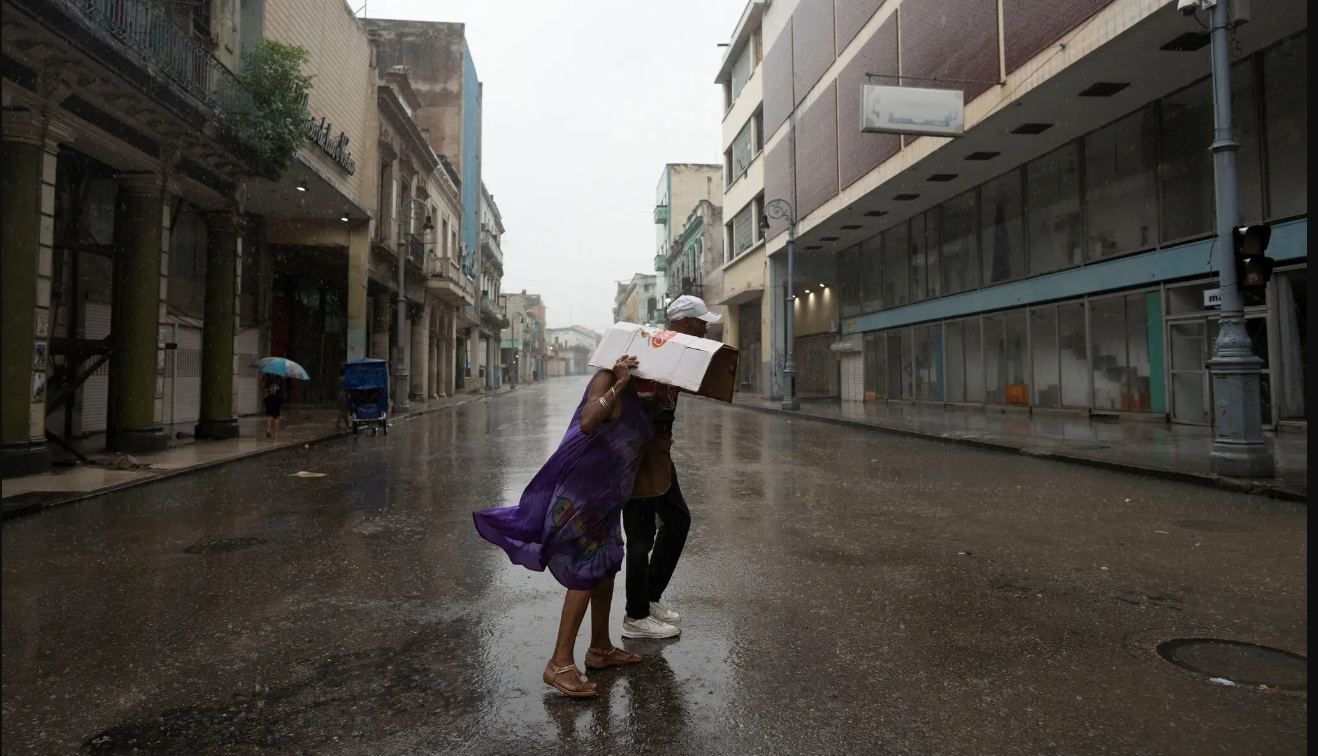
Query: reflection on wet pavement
pixel 842 592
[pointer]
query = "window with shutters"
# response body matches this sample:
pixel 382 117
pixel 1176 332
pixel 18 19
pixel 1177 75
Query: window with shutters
pixel 743 150
pixel 743 230
pixel 742 70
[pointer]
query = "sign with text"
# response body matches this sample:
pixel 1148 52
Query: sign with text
pixel 1212 299
pixel 909 110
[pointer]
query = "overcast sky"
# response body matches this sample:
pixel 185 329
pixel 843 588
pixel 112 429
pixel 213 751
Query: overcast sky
pixel 585 101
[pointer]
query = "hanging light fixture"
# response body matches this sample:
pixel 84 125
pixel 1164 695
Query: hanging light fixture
pixel 302 185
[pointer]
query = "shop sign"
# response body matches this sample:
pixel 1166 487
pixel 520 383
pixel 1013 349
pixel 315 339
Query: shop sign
pixel 1212 299
pixel 319 133
pixel 910 110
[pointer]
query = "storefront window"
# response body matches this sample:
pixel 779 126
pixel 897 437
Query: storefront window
pixel 1053 183
pixel 1292 292
pixel 1074 355
pixel 1043 349
pixel 919 267
pixel 894 366
pixel 1107 329
pixel 928 363
pixel 954 367
pixel 1120 187
pixel 960 244
pixel 1186 166
pixel 974 360
pixel 850 282
pixel 995 359
pixel 896 290
pixel 1018 368
pixel 874 366
pixel 871 274
pixel 1139 385
pixel 1002 230
pixel 934 248
pixel 1286 119
pixel 907 363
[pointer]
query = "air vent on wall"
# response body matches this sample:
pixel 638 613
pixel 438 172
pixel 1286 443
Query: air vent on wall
pixel 813 246
pixel 1032 128
pixel 942 177
pixel 982 155
pixel 876 213
pixel 906 197
pixel 852 227
pixel 828 238
pixel 1104 88
pixel 1188 42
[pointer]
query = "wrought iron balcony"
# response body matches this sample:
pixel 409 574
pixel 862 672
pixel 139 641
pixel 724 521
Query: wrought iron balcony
pixel 491 247
pixel 146 32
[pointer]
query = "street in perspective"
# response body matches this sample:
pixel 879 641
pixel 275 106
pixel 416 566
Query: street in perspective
pixel 829 377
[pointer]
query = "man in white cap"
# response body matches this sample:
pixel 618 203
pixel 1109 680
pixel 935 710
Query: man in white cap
pixel 648 574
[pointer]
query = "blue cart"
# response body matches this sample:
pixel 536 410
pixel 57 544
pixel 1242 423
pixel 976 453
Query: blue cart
pixel 366 383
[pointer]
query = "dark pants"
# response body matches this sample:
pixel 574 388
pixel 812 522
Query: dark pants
pixel 648 575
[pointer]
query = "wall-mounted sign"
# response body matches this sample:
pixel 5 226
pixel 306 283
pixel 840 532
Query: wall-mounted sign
pixel 1212 299
pixel 908 110
pixel 319 132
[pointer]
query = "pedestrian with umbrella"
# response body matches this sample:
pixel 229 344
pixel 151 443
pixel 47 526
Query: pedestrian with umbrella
pixel 273 390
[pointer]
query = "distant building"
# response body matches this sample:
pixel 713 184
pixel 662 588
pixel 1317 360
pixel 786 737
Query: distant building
pixel 575 344
pixel 681 187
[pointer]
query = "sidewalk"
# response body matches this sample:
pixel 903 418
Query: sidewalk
pixel 301 425
pixel 1181 452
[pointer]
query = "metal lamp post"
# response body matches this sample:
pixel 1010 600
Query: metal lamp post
pixel 1238 445
pixel 780 208
pixel 400 387
pixel 518 318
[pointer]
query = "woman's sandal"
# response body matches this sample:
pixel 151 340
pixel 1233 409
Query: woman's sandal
pixel 551 679
pixel 611 658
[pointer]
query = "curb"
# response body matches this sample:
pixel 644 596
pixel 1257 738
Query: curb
pixel 1237 485
pixel 35 507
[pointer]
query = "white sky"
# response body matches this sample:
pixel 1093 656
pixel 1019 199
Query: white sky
pixel 585 101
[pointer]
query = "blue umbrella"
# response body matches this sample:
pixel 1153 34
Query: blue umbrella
pixel 281 366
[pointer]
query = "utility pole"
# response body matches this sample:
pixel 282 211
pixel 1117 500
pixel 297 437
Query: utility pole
pixel 781 208
pixel 1238 446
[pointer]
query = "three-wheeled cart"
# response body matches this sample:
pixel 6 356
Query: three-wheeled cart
pixel 366 383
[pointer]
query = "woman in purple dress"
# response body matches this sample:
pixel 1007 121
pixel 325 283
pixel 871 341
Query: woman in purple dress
pixel 570 516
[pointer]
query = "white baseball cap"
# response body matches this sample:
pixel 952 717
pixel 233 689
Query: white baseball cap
pixel 687 306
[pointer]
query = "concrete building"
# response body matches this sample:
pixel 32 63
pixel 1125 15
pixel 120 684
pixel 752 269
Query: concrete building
pixel 574 345
pixel 748 312
pixel 523 339
pixel 443 75
pixel 491 277
pixel 418 222
pixel 1058 255
pixel 144 258
pixel 695 264
pixel 681 187
pixel 641 300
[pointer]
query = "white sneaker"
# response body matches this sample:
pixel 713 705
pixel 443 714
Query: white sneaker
pixel 648 628
pixel 664 614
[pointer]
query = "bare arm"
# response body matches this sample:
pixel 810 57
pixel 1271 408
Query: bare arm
pixel 604 397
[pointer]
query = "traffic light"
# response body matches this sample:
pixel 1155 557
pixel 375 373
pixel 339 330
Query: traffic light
pixel 1253 267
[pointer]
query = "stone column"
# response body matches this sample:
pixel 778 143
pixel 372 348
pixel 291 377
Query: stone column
pixel 217 417
pixel 380 339
pixel 436 348
pixel 359 252
pixel 491 362
pixel 141 236
pixel 474 359
pixel 28 174
pixel 420 356
pixel 450 355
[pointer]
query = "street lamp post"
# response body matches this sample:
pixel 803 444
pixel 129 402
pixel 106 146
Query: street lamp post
pixel 780 208
pixel 400 387
pixel 1238 445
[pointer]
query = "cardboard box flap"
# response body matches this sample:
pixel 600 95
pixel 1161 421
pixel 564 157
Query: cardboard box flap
pixel 672 358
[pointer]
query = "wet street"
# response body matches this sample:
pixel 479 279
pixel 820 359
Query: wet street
pixel 842 591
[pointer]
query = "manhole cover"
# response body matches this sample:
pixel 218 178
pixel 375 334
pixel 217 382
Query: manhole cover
pixel 1214 526
pixel 1241 663
pixel 221 546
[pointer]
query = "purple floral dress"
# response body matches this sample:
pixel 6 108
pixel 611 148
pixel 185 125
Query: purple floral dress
pixel 570 515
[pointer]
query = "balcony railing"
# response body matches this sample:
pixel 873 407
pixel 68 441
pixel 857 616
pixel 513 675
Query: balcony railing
pixel 661 213
pixel 491 246
pixel 147 32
